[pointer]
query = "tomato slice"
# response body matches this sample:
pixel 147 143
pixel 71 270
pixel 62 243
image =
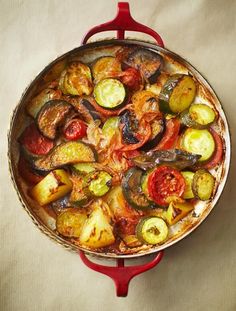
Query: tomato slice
pixel 218 154
pixel 26 172
pixel 75 129
pixel 34 141
pixel 170 136
pixel 131 78
pixel 164 183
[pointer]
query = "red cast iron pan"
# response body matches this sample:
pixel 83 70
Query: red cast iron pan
pixel 122 274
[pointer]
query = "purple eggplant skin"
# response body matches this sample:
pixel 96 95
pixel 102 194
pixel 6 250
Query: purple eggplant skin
pixel 174 157
pixel 130 126
pixel 157 135
pixel 91 110
pixel 147 62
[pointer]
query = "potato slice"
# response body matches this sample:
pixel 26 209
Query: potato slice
pixel 97 230
pixel 52 187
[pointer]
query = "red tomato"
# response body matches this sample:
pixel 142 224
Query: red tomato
pixel 26 172
pixel 218 154
pixel 34 141
pixel 75 129
pixel 131 77
pixel 170 135
pixel 165 182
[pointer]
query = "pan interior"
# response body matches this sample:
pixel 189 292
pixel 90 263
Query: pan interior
pixel 44 217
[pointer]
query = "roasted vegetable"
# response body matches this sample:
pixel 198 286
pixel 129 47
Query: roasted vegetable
pixel 199 142
pixel 100 183
pixel 130 127
pixel 198 116
pixel 170 135
pixel 33 142
pixel 111 128
pixel 110 93
pixel 177 93
pixel 52 187
pixel 79 195
pixel 70 223
pixel 106 67
pixel 165 184
pixel 97 230
pixel 132 79
pixel 147 62
pixel 173 157
pixel 84 167
pixel 51 116
pixel 176 211
pixel 66 153
pixel 217 156
pixel 76 79
pixel 203 184
pixel 27 173
pixel 188 177
pixel 132 190
pixel 158 128
pixel 145 104
pixel 74 129
pixel 152 230
pixel 86 109
pixel 34 106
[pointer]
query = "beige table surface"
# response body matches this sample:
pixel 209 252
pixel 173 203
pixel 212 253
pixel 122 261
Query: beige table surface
pixel 198 273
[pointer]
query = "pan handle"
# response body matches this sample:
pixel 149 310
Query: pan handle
pixel 120 274
pixel 121 23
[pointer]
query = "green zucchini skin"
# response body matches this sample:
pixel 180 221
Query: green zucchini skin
pixel 200 142
pixel 190 117
pixel 71 152
pixel 51 115
pixel 203 185
pixel 132 190
pixel 167 92
pixel 152 230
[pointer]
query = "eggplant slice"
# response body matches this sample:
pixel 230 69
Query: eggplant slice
pixel 148 62
pixel 130 127
pixel 158 128
pixel 51 116
pixel 177 158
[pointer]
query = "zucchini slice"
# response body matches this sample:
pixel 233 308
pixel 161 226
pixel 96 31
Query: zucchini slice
pixel 110 93
pixel 199 116
pixel 66 153
pixel 51 116
pixel 177 93
pixel 152 230
pixel 106 67
pixel 100 183
pixel 132 190
pixel 70 223
pixel 203 184
pixel 188 177
pixel 84 167
pixel 199 142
